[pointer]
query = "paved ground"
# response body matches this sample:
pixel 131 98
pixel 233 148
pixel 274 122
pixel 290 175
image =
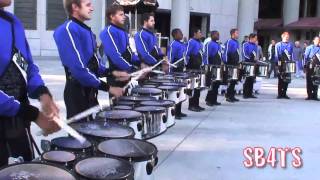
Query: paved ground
pixel 209 145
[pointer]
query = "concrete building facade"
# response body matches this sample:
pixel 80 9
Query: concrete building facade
pixel 221 15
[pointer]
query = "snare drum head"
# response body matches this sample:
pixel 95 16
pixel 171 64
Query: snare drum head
pixel 147 91
pixel 34 171
pixel 159 81
pixel 150 109
pixel 125 103
pixel 122 107
pixel 136 98
pixel 104 168
pixel 122 115
pixel 162 103
pixel 70 143
pixel 169 88
pixel 58 156
pixel 175 84
pixel 104 130
pixel 134 149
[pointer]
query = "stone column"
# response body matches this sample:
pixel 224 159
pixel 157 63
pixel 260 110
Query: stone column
pixel 180 15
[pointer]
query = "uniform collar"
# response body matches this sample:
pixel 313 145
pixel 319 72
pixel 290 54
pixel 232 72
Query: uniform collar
pixel 147 30
pixel 80 23
pixel 116 26
pixel 178 41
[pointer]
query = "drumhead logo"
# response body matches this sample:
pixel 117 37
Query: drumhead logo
pixel 275 157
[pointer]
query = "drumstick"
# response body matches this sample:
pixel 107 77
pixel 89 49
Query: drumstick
pixel 86 113
pixel 64 126
pixel 175 63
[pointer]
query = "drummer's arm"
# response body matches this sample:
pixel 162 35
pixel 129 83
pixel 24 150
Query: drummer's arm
pixel 306 56
pixel 278 53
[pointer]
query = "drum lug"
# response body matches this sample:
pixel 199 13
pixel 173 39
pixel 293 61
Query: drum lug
pixel 45 145
pixel 149 168
pixel 173 112
pixel 164 119
pixel 139 127
pixel 178 94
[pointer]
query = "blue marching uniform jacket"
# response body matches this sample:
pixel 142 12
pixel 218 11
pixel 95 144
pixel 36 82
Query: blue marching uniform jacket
pixel 281 48
pixel 194 54
pixel 147 47
pixel 176 51
pixel 9 105
pixel 231 53
pixel 310 52
pixel 77 46
pixel 249 51
pixel 212 53
pixel 116 46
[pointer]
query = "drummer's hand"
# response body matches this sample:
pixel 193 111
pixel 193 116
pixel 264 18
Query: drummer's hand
pixel 47 123
pixel 121 75
pixel 116 91
pixel 48 106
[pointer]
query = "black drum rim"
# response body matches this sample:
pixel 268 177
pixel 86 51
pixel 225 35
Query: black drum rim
pixel 130 135
pixel 42 163
pixel 137 116
pixel 131 173
pixel 153 155
pixel 58 162
pixel 158 103
pixel 88 148
pixel 158 109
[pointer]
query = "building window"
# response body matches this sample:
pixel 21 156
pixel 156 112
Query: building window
pixel 26 11
pixel 270 9
pixel 308 8
pixel 55 14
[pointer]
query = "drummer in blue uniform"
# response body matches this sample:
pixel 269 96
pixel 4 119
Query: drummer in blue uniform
pixel 311 58
pixel 194 59
pixel 115 41
pixel 20 79
pixel 283 53
pixel 231 56
pixel 77 49
pixel 176 52
pixel 147 43
pixel 212 56
pixel 249 52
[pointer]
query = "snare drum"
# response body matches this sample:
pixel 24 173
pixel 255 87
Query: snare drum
pixel 127 100
pixel 35 171
pixel 217 73
pixel 142 154
pixel 103 168
pixel 183 92
pixel 170 109
pixel 154 120
pixel 132 119
pixel 72 145
pixel 316 75
pixel 61 158
pixel 262 69
pixel 248 69
pixel 97 131
pixel 153 92
pixel 201 81
pixel 171 93
pixel 233 72
pixel 290 67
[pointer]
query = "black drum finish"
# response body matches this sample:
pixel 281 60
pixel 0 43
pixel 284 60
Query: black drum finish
pixel 178 84
pixel 129 149
pixel 169 88
pixel 62 158
pixel 35 171
pixel 102 168
pixel 72 145
pixel 136 99
pixel 100 131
